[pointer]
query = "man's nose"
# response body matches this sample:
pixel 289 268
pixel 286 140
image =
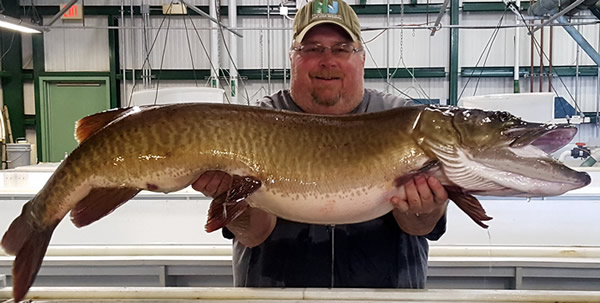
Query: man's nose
pixel 327 58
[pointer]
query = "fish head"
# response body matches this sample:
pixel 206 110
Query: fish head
pixel 496 153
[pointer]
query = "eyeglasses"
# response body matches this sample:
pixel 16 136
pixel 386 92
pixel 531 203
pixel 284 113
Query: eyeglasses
pixel 341 51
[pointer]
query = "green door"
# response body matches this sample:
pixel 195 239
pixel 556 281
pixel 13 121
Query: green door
pixel 64 100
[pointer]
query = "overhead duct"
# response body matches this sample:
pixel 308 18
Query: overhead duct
pixel 549 7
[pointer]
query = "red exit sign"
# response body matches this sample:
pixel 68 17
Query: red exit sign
pixel 74 12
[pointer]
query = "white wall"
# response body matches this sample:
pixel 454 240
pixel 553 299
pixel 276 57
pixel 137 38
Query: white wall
pixel 266 43
pixel 76 48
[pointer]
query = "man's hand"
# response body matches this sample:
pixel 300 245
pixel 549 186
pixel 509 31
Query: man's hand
pixel 213 183
pixel 421 205
pixel 253 226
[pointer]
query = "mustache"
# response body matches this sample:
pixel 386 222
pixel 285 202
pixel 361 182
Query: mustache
pixel 327 74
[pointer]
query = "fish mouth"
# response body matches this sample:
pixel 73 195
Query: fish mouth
pixel 547 137
pixel 522 167
pixel 526 167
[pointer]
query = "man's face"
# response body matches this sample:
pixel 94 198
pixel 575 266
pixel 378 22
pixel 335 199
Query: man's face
pixel 327 84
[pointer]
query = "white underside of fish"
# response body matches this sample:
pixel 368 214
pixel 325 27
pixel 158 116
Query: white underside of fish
pixel 365 204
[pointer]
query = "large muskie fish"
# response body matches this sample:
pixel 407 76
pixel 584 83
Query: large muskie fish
pixel 301 167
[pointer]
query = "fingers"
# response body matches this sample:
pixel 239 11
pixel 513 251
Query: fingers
pixel 413 195
pixel 422 196
pixel 213 182
pixel 439 192
pixel 400 204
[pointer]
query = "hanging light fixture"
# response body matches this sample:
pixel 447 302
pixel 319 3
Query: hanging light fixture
pixel 18 25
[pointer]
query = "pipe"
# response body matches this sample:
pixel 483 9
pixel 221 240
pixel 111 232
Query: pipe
pixel 388 48
pixel 551 46
pixel 146 79
pixel 438 20
pixel 532 45
pixel 598 97
pixel 577 59
pixel 516 51
pixel 133 42
pixel 214 46
pixel 365 29
pixel 269 47
pixel 563 156
pixel 124 52
pixel 550 8
pixel 211 17
pixel 541 59
pixel 233 74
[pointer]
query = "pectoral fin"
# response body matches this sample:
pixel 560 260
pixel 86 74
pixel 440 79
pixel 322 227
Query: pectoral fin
pixel 470 205
pixel 229 205
pixel 99 203
pixel 427 167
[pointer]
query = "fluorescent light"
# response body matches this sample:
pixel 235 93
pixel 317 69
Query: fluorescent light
pixel 18 25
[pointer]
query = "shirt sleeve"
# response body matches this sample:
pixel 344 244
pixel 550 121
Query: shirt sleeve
pixel 227 234
pixel 439 230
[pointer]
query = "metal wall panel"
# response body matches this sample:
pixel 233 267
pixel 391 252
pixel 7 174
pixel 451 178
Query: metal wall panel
pixel 266 45
pixel 261 47
pixel 416 47
pixel 565 48
pixel 249 92
pixel 475 86
pixel 584 93
pixel 418 88
pixel 177 54
pixel 71 47
pixel 474 42
pixel 29 98
pixel 27 51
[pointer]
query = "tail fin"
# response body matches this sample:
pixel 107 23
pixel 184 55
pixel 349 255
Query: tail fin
pixel 18 232
pixel 29 246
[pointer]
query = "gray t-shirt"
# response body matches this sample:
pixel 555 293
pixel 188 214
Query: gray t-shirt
pixel 373 101
pixel 374 254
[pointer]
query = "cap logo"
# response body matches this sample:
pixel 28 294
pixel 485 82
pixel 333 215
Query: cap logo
pixel 323 7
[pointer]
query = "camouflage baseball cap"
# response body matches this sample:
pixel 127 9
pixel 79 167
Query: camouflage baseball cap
pixel 326 11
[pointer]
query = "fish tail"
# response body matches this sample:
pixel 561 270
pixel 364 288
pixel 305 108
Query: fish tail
pixel 18 232
pixel 29 245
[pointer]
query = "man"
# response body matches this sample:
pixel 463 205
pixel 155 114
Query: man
pixel 327 69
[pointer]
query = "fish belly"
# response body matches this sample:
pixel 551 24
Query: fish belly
pixel 361 205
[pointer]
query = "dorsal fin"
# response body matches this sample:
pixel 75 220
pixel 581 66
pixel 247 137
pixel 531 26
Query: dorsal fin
pixel 86 126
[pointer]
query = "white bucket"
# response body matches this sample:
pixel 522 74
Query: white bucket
pixel 169 95
pixel 18 154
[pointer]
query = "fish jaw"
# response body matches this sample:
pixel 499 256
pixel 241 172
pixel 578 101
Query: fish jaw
pixel 547 137
pixel 532 173
pixel 525 171
pixel 360 205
